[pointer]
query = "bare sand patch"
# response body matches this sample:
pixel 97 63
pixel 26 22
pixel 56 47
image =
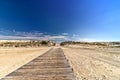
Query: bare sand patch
pixel 93 64
pixel 13 58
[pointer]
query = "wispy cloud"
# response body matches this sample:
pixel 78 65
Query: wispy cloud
pixel 35 35
pixel 19 33
pixel 65 33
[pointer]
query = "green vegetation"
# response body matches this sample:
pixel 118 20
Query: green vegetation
pixel 26 44
pixel 104 44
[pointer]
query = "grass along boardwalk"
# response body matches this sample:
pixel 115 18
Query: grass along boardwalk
pixel 52 65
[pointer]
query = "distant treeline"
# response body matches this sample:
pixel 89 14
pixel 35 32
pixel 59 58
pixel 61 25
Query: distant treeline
pixel 26 44
pixel 90 43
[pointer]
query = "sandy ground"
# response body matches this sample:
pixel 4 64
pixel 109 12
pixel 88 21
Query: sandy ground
pixel 90 64
pixel 51 66
pixel 13 58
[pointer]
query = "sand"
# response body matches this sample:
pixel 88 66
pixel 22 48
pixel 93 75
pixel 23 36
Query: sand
pixel 13 58
pixel 89 64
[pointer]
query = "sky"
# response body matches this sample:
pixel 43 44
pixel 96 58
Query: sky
pixel 60 20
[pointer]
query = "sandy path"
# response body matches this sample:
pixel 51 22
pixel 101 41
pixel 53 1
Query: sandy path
pixel 13 58
pixel 93 65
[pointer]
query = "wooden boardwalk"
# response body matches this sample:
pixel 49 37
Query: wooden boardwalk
pixel 52 65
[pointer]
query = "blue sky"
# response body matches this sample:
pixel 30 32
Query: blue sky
pixel 90 20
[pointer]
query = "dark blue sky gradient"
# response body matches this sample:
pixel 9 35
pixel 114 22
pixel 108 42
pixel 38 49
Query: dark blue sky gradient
pixel 88 18
pixel 52 16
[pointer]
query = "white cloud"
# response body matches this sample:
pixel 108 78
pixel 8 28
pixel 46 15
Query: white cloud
pixel 45 37
pixel 35 35
pixel 76 35
pixel 65 34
